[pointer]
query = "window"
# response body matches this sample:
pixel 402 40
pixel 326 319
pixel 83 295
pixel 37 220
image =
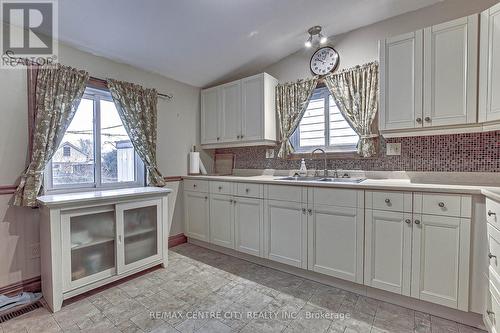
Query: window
pixel 95 151
pixel 323 126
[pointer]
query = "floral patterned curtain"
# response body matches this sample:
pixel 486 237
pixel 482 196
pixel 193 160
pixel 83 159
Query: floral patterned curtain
pixel 356 93
pixel 291 103
pixel 59 90
pixel 137 109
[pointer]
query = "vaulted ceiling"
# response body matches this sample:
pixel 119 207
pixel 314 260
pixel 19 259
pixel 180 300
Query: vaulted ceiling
pixel 201 41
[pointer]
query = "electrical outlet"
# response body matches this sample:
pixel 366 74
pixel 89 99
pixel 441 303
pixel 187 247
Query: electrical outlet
pixel 35 251
pixel 393 149
pixel 270 153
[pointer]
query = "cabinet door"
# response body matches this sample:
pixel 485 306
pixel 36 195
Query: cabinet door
pixel 88 246
pixel 401 82
pixel 252 108
pixel 249 225
pixel 285 233
pixel 335 244
pixel 440 260
pixel 139 233
pixel 450 72
pixel 230 111
pixel 489 75
pixel 210 116
pixel 222 220
pixel 388 251
pixel 196 215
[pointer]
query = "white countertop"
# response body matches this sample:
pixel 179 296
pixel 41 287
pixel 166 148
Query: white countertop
pixel 92 196
pixel 374 184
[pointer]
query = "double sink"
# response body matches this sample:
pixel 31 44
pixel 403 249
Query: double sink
pixel 322 179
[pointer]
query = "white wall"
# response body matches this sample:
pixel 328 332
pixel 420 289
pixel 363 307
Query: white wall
pixel 178 131
pixel 361 45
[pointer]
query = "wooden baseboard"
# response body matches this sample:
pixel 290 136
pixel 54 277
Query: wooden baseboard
pixel 176 240
pixel 29 285
pixel 8 189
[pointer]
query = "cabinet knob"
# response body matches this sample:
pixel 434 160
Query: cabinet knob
pixel 218 138
pixel 247 190
pixel 220 188
pixel 238 136
pixel 206 198
pixel 387 201
pixel 490 213
pixel 241 136
pixel 310 211
pixel 417 221
pixel 427 119
pixel 408 221
pixel 230 200
pixel 234 202
pixel 441 204
pixel 491 256
pixel 419 120
pixel 194 185
pixel 303 210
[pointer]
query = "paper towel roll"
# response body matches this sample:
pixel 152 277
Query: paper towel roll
pixel 194 162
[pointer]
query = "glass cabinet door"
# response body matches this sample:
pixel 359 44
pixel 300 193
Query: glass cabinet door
pixel 89 246
pixel 139 233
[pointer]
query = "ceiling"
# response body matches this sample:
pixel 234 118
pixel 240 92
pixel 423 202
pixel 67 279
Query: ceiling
pixel 199 42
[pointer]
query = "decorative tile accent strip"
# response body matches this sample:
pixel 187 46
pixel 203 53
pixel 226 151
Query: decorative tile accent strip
pixel 470 152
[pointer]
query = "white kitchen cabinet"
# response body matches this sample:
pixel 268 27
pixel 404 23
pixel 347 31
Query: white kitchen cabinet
pixel 428 80
pixel 239 113
pixel 489 68
pixel 388 250
pixel 222 220
pixel 285 225
pixel 249 225
pixel 96 238
pixel 336 241
pixel 210 117
pixel 440 260
pixel 196 215
pixel 450 72
pixel 401 81
pixel 230 111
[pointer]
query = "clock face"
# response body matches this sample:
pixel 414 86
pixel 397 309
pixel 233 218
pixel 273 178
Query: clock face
pixel 324 60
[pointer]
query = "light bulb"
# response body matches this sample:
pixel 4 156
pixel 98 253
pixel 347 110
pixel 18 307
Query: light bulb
pixel 308 43
pixel 322 39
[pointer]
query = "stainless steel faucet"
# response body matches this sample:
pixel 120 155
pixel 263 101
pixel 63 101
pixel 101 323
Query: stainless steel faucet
pixel 325 171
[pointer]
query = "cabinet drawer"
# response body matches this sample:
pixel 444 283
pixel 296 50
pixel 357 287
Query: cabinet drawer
pixel 493 212
pixel 492 310
pixel 249 190
pixel 494 250
pixel 285 193
pixel 442 204
pixel 389 201
pixel 221 187
pixel 337 197
pixel 196 185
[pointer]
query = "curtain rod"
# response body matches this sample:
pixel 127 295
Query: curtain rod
pixel 104 84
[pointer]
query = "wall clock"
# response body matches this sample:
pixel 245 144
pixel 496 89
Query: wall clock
pixel 324 60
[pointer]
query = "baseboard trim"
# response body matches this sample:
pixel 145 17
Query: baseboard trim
pixel 467 318
pixel 29 285
pixel 176 240
pixel 8 189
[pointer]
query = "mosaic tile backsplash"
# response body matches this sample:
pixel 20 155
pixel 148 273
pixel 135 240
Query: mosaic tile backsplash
pixel 471 152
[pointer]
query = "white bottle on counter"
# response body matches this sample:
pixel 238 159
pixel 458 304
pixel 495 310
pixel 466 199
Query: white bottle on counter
pixel 303 169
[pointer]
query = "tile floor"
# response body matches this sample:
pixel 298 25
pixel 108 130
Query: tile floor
pixel 199 281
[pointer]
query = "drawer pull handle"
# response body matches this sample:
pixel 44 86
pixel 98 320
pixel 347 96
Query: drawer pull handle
pixel 387 201
pixel 490 213
pixel 417 221
pixel 303 210
pixel 310 211
pixel 247 190
pixel 441 204
pixel 490 313
pixel 408 221
pixel 491 256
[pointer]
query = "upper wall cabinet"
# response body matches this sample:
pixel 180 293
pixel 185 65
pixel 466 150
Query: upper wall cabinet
pixel 239 113
pixel 489 84
pixel 428 78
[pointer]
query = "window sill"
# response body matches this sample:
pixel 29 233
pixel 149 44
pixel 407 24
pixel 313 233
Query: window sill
pixel 81 189
pixel 348 154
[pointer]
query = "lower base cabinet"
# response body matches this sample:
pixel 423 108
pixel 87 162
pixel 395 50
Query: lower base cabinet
pixel 196 214
pixel 388 251
pixel 286 233
pixel 222 220
pixel 335 241
pixel 249 225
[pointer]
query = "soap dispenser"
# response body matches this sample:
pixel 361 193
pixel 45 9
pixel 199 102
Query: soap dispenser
pixel 303 169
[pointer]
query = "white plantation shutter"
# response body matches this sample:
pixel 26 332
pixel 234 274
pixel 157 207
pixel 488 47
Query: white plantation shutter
pixel 323 129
